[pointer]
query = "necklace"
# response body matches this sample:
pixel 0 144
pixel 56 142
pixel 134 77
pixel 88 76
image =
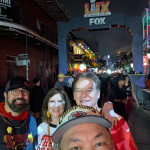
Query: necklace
pixel 49 136
pixel 29 137
pixel 12 125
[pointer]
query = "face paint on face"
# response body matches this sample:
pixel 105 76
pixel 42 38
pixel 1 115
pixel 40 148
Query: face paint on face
pixel 86 93
pixel 83 84
pixel 56 103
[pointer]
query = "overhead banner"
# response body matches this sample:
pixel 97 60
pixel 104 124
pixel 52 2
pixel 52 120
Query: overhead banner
pixel 5 9
pixel 97 9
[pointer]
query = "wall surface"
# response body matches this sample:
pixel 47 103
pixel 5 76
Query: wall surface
pixel 13 48
pixel 30 11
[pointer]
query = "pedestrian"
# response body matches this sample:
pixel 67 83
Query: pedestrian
pixel 129 92
pixel 119 98
pixel 36 98
pixel 55 103
pixel 60 82
pixel 86 90
pixel 70 93
pixel 17 126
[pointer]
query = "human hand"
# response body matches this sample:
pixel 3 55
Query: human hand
pixel 137 104
pixel 124 101
pixel 108 113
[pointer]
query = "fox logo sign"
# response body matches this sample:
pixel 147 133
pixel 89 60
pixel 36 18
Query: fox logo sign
pixel 97 9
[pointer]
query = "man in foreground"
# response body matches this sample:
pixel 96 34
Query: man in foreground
pixel 17 126
pixel 86 89
pixel 82 127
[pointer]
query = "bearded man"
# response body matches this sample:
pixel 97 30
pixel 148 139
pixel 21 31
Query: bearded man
pixel 17 126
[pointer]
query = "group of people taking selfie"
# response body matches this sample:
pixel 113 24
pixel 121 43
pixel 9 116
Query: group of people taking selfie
pixel 59 124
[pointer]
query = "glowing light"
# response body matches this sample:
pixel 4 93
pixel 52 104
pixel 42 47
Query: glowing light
pixel 148 55
pixel 108 56
pixel 131 65
pixel 109 71
pixel 82 67
pixel 80 44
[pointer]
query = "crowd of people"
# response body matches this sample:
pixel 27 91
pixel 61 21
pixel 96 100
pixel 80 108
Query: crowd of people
pixel 68 118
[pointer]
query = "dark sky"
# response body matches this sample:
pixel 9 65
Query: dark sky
pixel 108 41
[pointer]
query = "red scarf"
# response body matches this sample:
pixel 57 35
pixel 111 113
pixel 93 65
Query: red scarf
pixel 23 116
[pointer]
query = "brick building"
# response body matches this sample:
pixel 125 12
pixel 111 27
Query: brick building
pixel 29 27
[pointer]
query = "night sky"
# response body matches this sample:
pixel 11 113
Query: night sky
pixel 108 41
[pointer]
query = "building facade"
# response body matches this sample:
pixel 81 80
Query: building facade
pixel 28 40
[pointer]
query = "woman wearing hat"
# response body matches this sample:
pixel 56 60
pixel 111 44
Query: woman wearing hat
pixel 55 103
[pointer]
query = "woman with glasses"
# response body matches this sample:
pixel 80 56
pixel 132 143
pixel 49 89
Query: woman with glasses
pixel 55 103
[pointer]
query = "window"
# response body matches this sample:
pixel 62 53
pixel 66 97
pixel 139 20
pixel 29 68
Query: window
pixel 10 58
pixel 16 13
pixel 40 28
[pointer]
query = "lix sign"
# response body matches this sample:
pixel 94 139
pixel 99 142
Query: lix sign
pixel 97 9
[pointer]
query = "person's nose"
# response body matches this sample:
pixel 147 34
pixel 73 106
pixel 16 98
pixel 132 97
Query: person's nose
pixel 84 94
pixel 56 104
pixel 21 94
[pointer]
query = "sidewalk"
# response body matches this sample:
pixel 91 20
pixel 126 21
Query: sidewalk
pixel 139 123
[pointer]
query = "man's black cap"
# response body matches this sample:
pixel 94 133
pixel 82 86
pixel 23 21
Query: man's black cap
pixel 17 82
pixel 120 78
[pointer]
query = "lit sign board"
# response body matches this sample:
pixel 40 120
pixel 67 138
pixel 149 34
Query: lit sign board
pixel 97 9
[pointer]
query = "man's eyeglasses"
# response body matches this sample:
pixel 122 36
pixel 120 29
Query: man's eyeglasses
pixel 16 92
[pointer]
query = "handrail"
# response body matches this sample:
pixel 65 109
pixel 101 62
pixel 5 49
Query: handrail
pixel 143 95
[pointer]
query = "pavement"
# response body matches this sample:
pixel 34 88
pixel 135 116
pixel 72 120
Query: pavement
pixel 139 123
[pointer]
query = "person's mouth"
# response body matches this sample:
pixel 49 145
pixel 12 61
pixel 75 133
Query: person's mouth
pixel 19 101
pixel 86 102
pixel 56 110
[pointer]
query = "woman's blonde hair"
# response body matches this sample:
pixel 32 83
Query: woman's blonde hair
pixel 51 93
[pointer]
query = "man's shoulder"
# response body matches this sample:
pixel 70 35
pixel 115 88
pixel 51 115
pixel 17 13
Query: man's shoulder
pixel 32 121
pixel 57 83
pixel 32 125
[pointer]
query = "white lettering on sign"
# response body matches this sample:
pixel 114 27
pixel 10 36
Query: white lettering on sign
pixel 97 21
pixel 4 8
pixel 5 3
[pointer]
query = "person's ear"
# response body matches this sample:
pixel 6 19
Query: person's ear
pixel 74 96
pixel 98 94
pixel 5 95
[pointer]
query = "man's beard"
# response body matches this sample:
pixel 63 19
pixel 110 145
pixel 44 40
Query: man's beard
pixel 19 108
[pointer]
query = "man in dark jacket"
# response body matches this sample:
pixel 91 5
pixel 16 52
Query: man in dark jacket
pixel 17 126
pixel 36 98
